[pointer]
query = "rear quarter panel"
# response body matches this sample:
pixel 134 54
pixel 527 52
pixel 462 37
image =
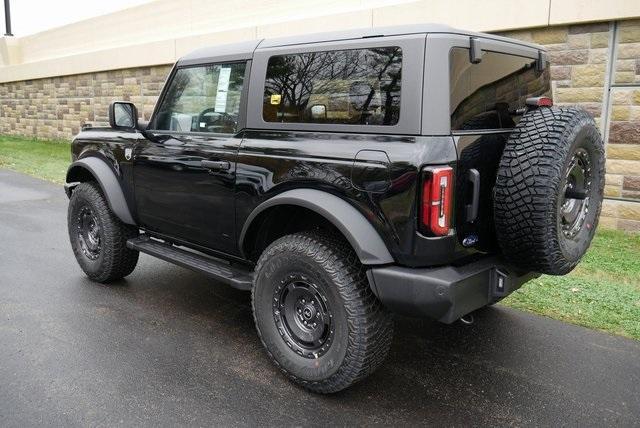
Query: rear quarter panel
pixel 271 162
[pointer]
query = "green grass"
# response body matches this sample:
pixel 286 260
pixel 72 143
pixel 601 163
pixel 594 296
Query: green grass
pixel 602 293
pixel 43 159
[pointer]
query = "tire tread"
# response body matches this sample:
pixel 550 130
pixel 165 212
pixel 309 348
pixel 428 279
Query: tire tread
pixel 370 323
pixel 118 261
pixel 526 193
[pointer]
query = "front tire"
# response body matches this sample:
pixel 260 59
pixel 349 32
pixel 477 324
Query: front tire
pixel 98 238
pixel 315 313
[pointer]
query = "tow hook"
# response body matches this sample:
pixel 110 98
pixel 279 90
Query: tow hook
pixel 467 319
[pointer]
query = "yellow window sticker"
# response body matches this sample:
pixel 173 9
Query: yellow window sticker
pixel 275 99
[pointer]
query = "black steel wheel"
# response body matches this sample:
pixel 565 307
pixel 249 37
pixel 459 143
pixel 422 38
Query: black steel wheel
pixel 98 238
pixel 316 314
pixel 88 233
pixel 576 194
pixel 303 316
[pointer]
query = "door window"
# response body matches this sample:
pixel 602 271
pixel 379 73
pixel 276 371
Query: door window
pixel 203 99
pixel 353 87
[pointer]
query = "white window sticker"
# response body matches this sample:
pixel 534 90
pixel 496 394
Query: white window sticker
pixel 223 89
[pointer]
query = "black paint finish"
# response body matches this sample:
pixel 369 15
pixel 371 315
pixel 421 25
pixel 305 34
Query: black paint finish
pixel 200 189
pixel 170 192
pixel 271 162
pixel 178 193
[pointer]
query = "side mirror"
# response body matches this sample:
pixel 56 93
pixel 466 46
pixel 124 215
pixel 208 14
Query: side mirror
pixel 123 115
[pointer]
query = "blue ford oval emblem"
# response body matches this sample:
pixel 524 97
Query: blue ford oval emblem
pixel 470 241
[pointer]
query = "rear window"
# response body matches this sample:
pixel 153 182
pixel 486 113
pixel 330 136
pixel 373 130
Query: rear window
pixel 492 93
pixel 352 87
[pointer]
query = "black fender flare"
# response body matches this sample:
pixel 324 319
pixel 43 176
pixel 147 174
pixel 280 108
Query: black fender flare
pixel 108 182
pixel 365 240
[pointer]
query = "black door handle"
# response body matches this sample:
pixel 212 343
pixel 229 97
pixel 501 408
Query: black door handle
pixel 216 165
pixel 471 210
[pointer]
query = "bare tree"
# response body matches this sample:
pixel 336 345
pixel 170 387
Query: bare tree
pixel 297 77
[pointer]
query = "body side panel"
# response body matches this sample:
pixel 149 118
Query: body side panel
pixel 272 162
pixel 179 196
pixel 102 153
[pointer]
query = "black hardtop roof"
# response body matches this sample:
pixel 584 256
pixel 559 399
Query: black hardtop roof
pixel 244 50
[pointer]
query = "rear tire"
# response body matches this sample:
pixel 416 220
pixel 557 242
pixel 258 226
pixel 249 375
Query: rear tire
pixel 549 190
pixel 98 238
pixel 316 314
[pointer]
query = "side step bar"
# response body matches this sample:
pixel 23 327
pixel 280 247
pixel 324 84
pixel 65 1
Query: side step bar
pixel 212 267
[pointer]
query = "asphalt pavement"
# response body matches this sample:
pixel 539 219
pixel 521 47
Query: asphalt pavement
pixel 168 347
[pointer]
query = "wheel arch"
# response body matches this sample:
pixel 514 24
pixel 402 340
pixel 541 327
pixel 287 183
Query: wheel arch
pixel 357 230
pixel 93 168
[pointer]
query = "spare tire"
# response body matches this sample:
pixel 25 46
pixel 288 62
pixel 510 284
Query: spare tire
pixel 549 189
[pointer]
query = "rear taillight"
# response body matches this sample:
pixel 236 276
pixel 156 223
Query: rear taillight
pixel 437 196
pixel 539 102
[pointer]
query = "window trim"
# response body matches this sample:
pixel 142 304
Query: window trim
pixel 410 89
pixel 157 132
pixel 242 117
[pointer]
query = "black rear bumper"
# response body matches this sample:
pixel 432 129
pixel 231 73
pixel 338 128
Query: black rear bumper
pixel 445 293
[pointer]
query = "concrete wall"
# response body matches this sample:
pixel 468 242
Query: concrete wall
pixel 52 82
pixel 162 31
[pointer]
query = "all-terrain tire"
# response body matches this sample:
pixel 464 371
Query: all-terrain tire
pixel 530 194
pixel 359 329
pixel 108 259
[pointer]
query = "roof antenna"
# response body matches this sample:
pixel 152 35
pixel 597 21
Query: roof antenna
pixel 7 18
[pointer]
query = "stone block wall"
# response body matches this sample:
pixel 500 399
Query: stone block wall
pixel 580 58
pixel 56 108
pixel 623 149
pixel 578 55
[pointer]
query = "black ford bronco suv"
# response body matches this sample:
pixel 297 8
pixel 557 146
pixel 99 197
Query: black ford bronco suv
pixel 343 177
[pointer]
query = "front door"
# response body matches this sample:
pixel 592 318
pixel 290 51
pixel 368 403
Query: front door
pixel 184 172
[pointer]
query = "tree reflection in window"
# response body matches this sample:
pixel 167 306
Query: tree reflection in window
pixel 354 87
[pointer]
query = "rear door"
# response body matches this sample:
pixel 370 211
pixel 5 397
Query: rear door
pixel 184 173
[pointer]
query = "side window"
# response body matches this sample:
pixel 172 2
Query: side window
pixel 491 94
pixel 353 87
pixel 203 99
